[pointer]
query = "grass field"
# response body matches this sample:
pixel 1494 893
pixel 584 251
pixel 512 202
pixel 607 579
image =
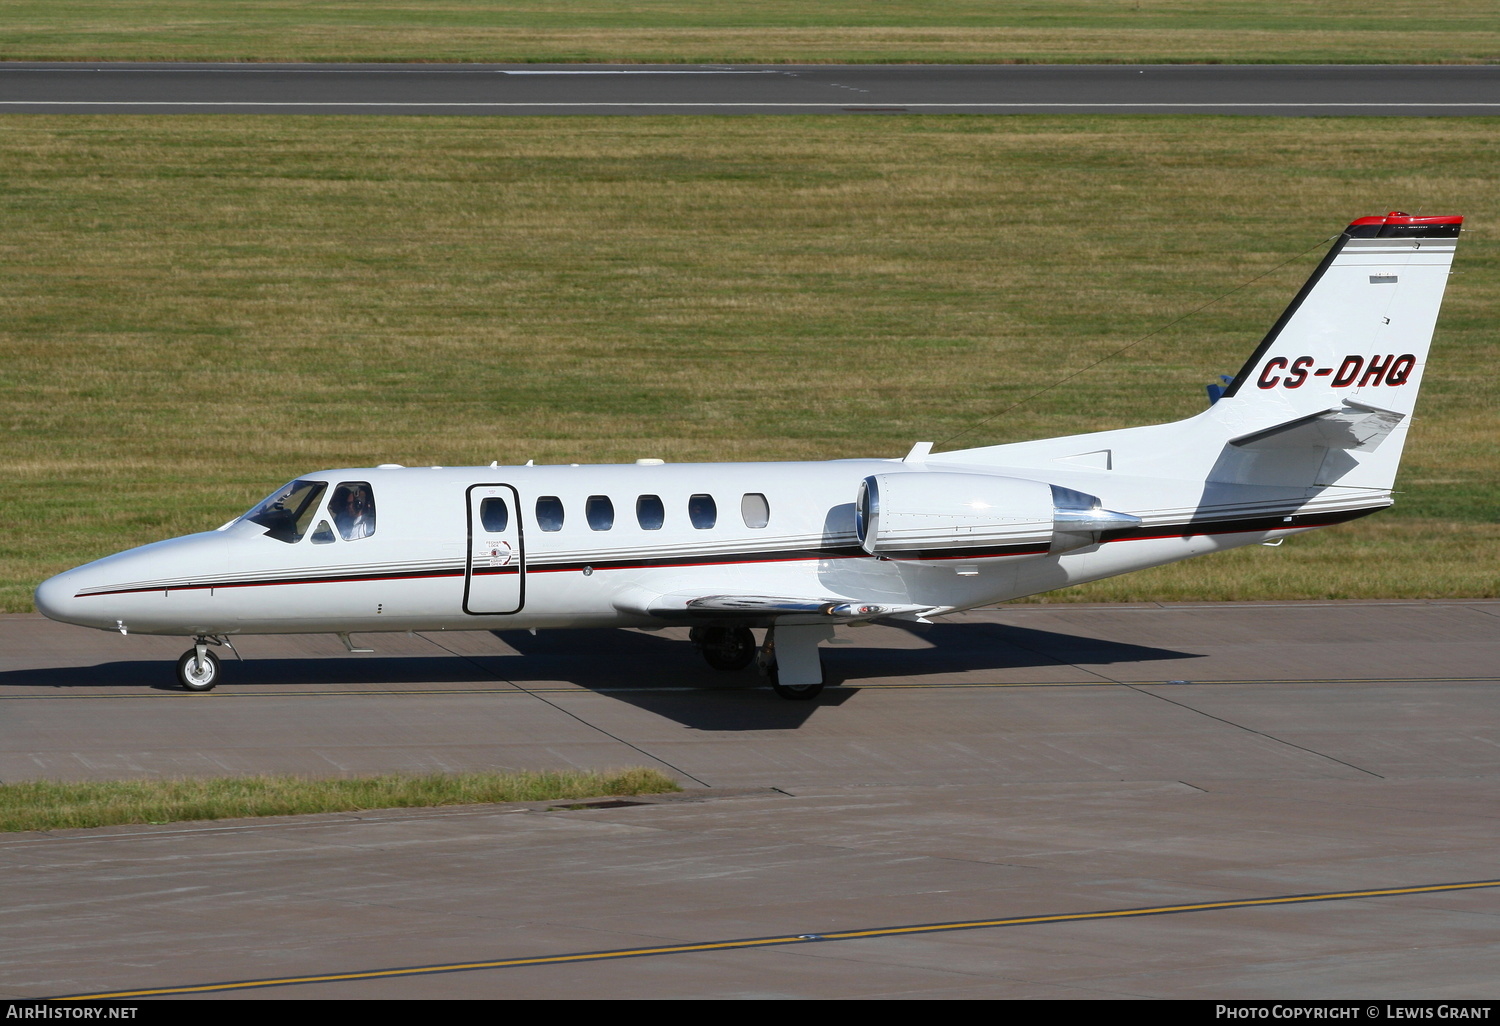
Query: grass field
pixel 200 308
pixel 771 31
pixel 58 805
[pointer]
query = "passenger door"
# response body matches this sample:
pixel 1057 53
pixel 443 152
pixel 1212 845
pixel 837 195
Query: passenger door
pixel 495 568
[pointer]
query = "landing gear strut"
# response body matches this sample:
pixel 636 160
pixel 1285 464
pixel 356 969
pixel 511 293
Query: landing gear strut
pixel 725 648
pixel 198 669
pixel 797 674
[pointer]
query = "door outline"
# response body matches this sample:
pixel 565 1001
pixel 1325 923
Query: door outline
pixel 520 559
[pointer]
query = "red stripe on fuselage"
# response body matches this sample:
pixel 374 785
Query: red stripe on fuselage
pixel 1250 525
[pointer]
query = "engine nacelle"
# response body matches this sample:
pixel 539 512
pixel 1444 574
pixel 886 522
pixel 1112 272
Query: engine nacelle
pixel 943 516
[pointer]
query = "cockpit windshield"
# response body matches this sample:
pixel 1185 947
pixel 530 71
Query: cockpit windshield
pixel 287 512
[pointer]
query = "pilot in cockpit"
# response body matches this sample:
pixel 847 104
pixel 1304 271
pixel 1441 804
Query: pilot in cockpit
pixel 353 509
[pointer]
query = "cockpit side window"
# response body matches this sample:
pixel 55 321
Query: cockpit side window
pixel 353 509
pixel 287 512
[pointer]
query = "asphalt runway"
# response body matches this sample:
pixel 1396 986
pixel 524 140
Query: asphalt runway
pixel 1190 801
pixel 1426 90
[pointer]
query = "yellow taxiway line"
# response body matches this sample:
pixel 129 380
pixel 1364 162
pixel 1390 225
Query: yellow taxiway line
pixel 785 939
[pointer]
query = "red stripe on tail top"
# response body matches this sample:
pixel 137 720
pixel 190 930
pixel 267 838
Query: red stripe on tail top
pixel 1397 217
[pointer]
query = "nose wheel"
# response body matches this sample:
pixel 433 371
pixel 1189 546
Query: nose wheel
pixel 198 669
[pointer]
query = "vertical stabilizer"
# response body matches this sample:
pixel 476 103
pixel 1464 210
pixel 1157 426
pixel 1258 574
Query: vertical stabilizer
pixel 1361 326
pixel 1324 403
pixel 1340 369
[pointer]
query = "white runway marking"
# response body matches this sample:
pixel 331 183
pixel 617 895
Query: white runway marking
pixel 742 103
pixel 645 71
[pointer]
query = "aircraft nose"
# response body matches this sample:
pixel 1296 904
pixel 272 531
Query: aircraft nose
pixel 130 588
pixel 56 599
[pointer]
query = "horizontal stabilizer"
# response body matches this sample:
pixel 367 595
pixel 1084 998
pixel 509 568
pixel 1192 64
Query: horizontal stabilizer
pixel 1354 426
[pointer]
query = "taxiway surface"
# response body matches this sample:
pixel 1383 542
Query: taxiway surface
pixel 1030 761
pixel 1427 90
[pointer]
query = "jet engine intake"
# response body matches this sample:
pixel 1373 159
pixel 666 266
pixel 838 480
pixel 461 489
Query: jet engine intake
pixel 943 516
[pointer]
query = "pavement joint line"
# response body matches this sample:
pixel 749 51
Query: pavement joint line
pixel 787 939
pixel 1252 730
pixel 1058 662
pixel 537 694
pixel 471 660
pixel 613 737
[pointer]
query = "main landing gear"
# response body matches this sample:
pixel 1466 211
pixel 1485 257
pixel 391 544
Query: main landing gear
pixel 725 648
pixel 788 660
pixel 198 669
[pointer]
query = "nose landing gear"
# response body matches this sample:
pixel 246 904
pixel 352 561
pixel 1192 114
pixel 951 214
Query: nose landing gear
pixel 198 669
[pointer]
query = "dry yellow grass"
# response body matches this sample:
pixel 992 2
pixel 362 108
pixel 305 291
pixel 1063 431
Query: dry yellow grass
pixel 61 805
pixel 822 45
pixel 199 308
pixel 775 31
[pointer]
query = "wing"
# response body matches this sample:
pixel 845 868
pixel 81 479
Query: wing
pixel 761 610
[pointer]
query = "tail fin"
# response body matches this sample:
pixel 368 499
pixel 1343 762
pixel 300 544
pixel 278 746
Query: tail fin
pixel 1361 326
pixel 1340 369
pixel 1322 406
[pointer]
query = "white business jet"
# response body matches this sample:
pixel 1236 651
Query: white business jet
pixel 1308 434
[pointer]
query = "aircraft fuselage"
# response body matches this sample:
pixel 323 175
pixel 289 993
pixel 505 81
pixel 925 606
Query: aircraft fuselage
pixel 591 546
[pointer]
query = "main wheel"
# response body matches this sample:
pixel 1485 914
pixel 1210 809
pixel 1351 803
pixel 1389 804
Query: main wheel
pixel 195 674
pixel 793 692
pixel 727 648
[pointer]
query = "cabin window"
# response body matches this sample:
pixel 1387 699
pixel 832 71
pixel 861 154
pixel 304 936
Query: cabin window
pixel 494 515
pixel 600 512
pixel 287 512
pixel 702 511
pixel 755 509
pixel 323 535
pixel 650 513
pixel 353 509
pixel 549 513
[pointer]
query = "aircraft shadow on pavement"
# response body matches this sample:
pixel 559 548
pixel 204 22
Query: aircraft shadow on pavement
pixel 660 673
pixel 945 648
pixel 628 665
